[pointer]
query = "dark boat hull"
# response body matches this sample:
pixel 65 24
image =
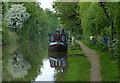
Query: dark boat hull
pixel 57 47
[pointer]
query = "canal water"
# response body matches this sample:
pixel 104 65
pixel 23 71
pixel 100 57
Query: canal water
pixel 47 73
pixel 27 61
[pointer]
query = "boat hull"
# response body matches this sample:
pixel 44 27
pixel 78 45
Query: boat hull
pixel 57 47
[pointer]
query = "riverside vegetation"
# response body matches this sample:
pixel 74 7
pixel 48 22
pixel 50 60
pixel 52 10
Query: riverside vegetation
pixel 25 28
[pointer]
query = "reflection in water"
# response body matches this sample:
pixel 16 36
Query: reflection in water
pixel 58 59
pixel 21 62
pixel 17 66
pixel 47 73
pixel 57 54
pixel 51 66
pixel 58 64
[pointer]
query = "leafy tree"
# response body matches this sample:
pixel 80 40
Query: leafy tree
pixel 53 21
pixel 111 12
pixel 97 19
pixel 92 18
pixel 16 15
pixel 4 25
pixel 66 11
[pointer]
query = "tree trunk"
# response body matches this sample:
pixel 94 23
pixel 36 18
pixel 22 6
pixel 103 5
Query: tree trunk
pixel 112 33
pixel 110 17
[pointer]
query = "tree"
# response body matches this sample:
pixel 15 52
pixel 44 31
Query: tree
pixel 111 12
pixel 93 21
pixel 16 16
pixel 54 23
pixel 66 11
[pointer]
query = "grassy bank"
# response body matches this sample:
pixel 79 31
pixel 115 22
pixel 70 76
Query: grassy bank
pixel 109 67
pixel 78 69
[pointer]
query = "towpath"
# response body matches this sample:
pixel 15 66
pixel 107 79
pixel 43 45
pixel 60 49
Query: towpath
pixel 93 58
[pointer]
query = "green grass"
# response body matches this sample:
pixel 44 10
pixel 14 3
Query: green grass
pixel 78 68
pixel 109 67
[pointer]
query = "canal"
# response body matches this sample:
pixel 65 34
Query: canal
pixel 29 61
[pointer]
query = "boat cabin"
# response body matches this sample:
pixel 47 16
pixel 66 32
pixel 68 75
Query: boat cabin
pixel 57 38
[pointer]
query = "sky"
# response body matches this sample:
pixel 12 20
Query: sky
pixel 46 4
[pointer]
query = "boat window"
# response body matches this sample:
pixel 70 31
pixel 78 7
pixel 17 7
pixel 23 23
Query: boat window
pixel 51 38
pixel 63 38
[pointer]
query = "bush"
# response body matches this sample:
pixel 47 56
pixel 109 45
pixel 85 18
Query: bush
pixel 5 36
pixel 113 48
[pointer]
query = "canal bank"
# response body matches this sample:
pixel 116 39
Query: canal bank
pixel 78 66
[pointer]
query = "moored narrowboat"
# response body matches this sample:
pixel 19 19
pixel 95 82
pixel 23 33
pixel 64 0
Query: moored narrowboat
pixel 57 42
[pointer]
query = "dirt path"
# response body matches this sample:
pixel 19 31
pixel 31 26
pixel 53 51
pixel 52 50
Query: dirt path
pixel 94 61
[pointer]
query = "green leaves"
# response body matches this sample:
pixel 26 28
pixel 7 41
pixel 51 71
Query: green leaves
pixel 16 15
pixel 92 18
pixel 66 11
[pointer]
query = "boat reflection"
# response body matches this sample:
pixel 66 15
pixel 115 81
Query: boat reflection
pixel 58 60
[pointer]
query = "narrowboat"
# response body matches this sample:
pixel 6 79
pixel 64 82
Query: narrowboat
pixel 57 42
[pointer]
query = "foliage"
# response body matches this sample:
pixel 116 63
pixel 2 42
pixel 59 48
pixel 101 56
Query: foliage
pixel 5 31
pixel 39 24
pixel 4 36
pixel 111 12
pixel 94 19
pixel 113 48
pixel 16 15
pixel 33 34
pixel 66 11
pixel 29 20
pixel 52 20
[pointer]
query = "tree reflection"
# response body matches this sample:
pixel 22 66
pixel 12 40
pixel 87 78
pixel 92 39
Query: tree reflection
pixel 22 64
pixel 17 65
